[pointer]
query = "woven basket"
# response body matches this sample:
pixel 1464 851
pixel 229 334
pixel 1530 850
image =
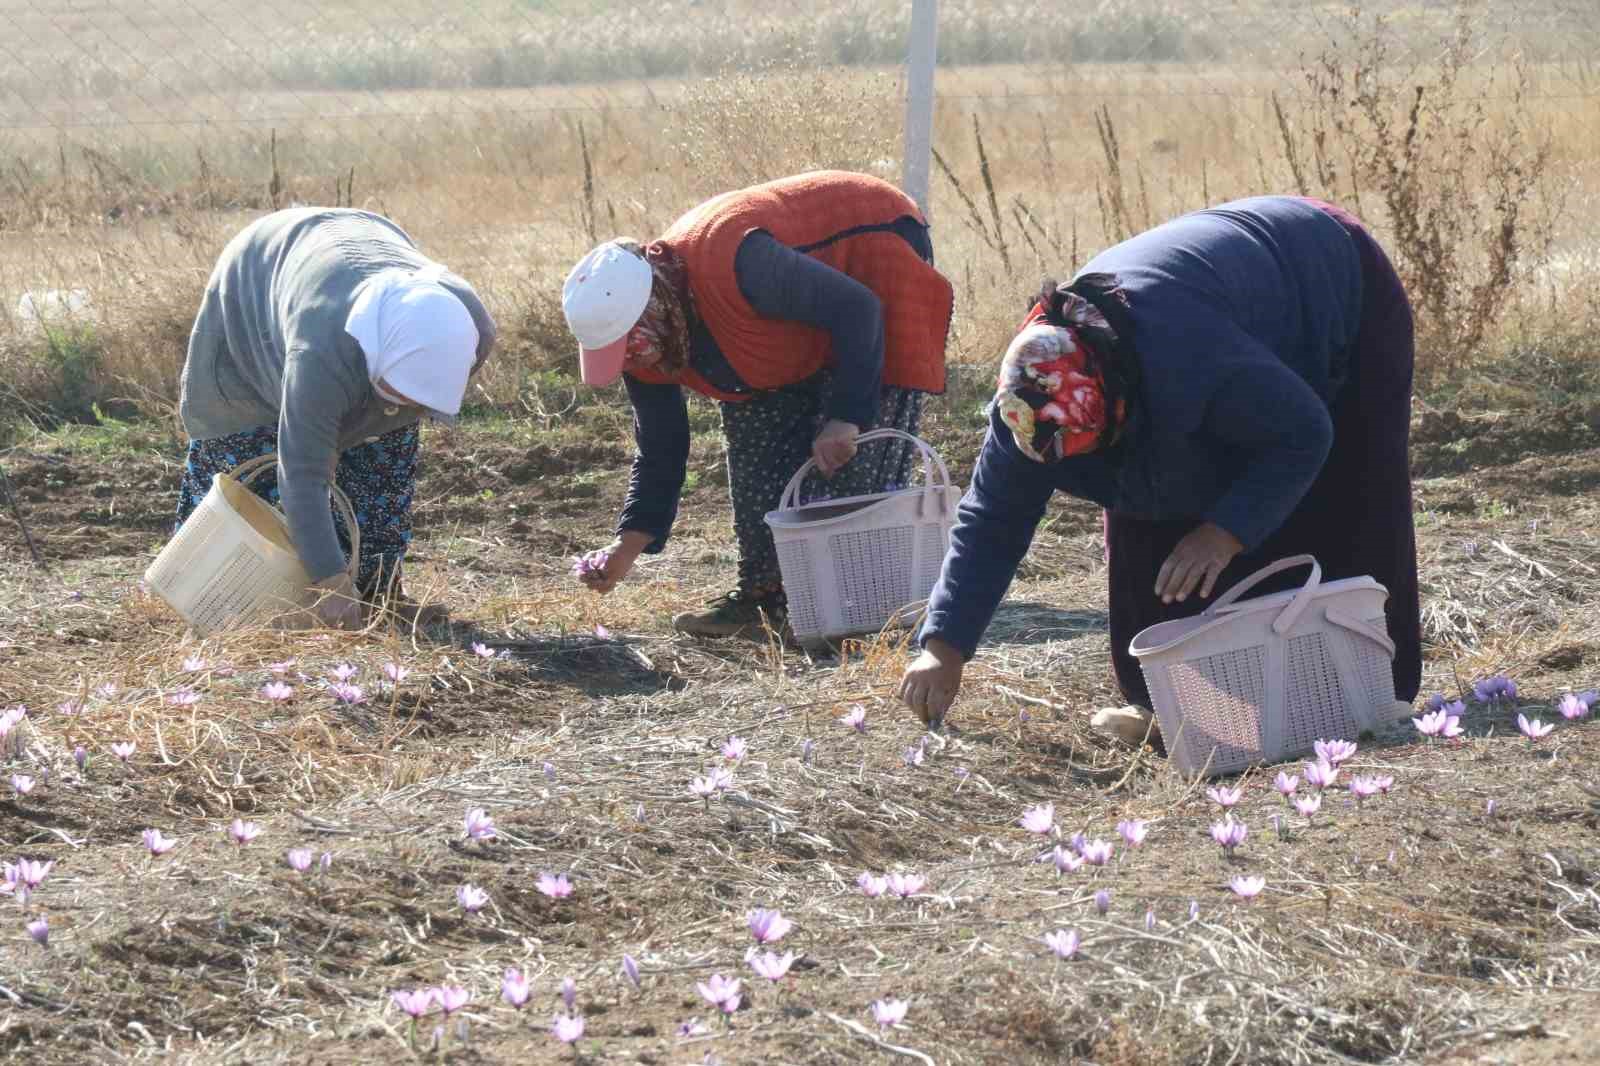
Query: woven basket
pixel 859 564
pixel 232 560
pixel 1260 680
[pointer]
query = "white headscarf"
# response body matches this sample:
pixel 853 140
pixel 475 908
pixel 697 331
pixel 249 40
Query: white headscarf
pixel 417 336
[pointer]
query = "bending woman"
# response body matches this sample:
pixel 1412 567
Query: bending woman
pixel 326 336
pixel 1232 387
pixel 810 308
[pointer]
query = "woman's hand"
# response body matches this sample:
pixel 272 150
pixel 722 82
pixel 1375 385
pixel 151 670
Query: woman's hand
pixel 835 446
pixel 338 606
pixel 620 557
pixel 1198 560
pixel 930 684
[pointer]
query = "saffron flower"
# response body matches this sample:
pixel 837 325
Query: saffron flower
pixel 1385 783
pixel 1225 797
pixel 1320 775
pixel 1364 788
pixel 451 998
pixel 1102 900
pixel 721 992
pixel 870 885
pixel 29 873
pixel 721 776
pixel 768 927
pixel 567 1028
pixel 569 993
pixel 184 697
pixel 1247 887
pixel 1149 919
pixel 691 1028
pixel 630 967
pixel 1494 689
pixel 906 885
pixel 69 708
pixel 39 929
pixel 80 756
pixel 807 748
pixel 1194 910
pixel 417 1002
pixel 325 863
pixel 1440 723
pixel 1308 805
pixel 107 691
pixel 704 787
pixel 1286 783
pixel 21 784
pixel 280 668
pixel 343 672
pixel 480 826
pixel 1334 752
pixel 1534 729
pixel 734 749
pixel 158 844
pixel 772 966
pixel 601 632
pixel 1066 860
pixel 472 898
pixel 395 672
pixel 1076 842
pixel 1097 852
pixel 482 651
pixel 1041 819
pixel 888 1012
pixel 1064 942
pixel 549 771
pixel 277 691
pixel 556 886
pixel 1572 707
pixel 243 832
pixel 589 563
pixel 1229 835
pixel 514 988
pixel 914 756
pixel 299 859
pixel 347 693
pixel 1133 831
pixel 856 719
pixel 193 664
pixel 124 751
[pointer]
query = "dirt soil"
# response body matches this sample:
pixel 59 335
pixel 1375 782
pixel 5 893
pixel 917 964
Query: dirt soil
pixel 1424 925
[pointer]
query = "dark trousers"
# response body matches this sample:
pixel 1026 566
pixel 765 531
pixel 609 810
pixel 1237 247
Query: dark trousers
pixel 1356 519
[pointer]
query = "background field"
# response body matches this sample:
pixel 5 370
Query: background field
pixel 507 138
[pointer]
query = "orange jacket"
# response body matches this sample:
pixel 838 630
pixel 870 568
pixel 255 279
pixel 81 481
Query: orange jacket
pixel 839 218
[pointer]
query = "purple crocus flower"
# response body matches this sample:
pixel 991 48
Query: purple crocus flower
pixel 1534 729
pixel 888 1012
pixel 1194 910
pixel 417 1002
pixel 1229 834
pixel 481 650
pixel 1308 805
pixel 29 873
pixel 768 926
pixel 346 693
pixel 514 988
pixel 569 992
pixel 856 719
pixel 589 563
pixel 1150 919
pixel 81 757
pixel 807 748
pixel 549 771
pixel 1572 707
pixel 704 787
pixel 556 886
pixel 913 756
pixel 1063 943
pixel 1247 887
pixel 1133 831
pixel 39 929
pixel 1286 783
pixel 567 1028
pixel 299 859
pixel 1385 783
pixel 243 832
pixel 734 749
pixel 277 691
pixel 193 664
pixel 184 697
pixel 344 672
pixel 451 998
pixel 871 885
pixel 1494 689
pixel 1040 820
pixel 630 967
pixel 156 843
pixel 1066 860
pixel 281 668
pixel 21 784
pixel 1102 900
pixel 1225 797
pixel 721 992
pixel 1097 852
pixel 124 750
pixel 1320 775
pixel 906 885
pixel 772 966
pixel 472 898
pixel 480 826
pixel 395 672
pixel 1364 788
pixel 1334 752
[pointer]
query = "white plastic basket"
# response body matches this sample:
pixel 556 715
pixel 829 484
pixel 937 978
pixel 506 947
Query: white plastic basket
pixel 1261 680
pixel 232 559
pixel 858 564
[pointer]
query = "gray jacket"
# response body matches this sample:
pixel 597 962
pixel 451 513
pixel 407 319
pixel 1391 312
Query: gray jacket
pixel 269 349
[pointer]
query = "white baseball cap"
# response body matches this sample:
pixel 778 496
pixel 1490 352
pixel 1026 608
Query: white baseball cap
pixel 603 298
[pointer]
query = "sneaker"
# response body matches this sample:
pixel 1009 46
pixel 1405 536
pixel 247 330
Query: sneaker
pixel 734 614
pixel 1131 725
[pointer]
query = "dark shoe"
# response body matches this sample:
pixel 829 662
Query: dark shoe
pixel 735 614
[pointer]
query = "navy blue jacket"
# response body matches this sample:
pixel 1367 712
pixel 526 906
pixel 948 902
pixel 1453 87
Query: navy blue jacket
pixel 779 282
pixel 1243 316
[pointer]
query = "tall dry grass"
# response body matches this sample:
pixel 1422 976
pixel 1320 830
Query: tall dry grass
pixel 1482 192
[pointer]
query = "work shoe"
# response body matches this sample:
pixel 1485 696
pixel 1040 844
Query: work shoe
pixel 1131 725
pixel 734 614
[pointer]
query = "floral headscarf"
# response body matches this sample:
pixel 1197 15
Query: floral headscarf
pixel 660 339
pixel 1051 390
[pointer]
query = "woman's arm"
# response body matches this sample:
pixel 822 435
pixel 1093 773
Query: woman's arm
pixel 660 461
pixel 315 403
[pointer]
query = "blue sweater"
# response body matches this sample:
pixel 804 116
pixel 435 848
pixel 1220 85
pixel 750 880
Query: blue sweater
pixel 1243 317
pixel 781 283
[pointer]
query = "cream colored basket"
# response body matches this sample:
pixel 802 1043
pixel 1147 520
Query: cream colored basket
pixel 1261 680
pixel 232 559
pixel 858 564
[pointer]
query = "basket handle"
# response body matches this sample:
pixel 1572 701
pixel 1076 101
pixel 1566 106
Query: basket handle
pixel 251 469
pixel 930 462
pixel 1290 614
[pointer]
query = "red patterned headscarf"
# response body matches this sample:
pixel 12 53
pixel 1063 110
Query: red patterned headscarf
pixel 660 339
pixel 1051 391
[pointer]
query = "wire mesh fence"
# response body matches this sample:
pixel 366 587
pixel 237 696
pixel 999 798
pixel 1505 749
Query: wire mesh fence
pixel 507 135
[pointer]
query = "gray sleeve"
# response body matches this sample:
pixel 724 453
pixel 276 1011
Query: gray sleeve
pixel 315 403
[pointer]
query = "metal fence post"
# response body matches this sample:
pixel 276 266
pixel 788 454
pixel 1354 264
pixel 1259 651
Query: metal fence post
pixel 922 53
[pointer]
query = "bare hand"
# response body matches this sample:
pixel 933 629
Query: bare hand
pixel 1197 561
pixel 834 446
pixel 621 554
pixel 337 604
pixel 930 684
